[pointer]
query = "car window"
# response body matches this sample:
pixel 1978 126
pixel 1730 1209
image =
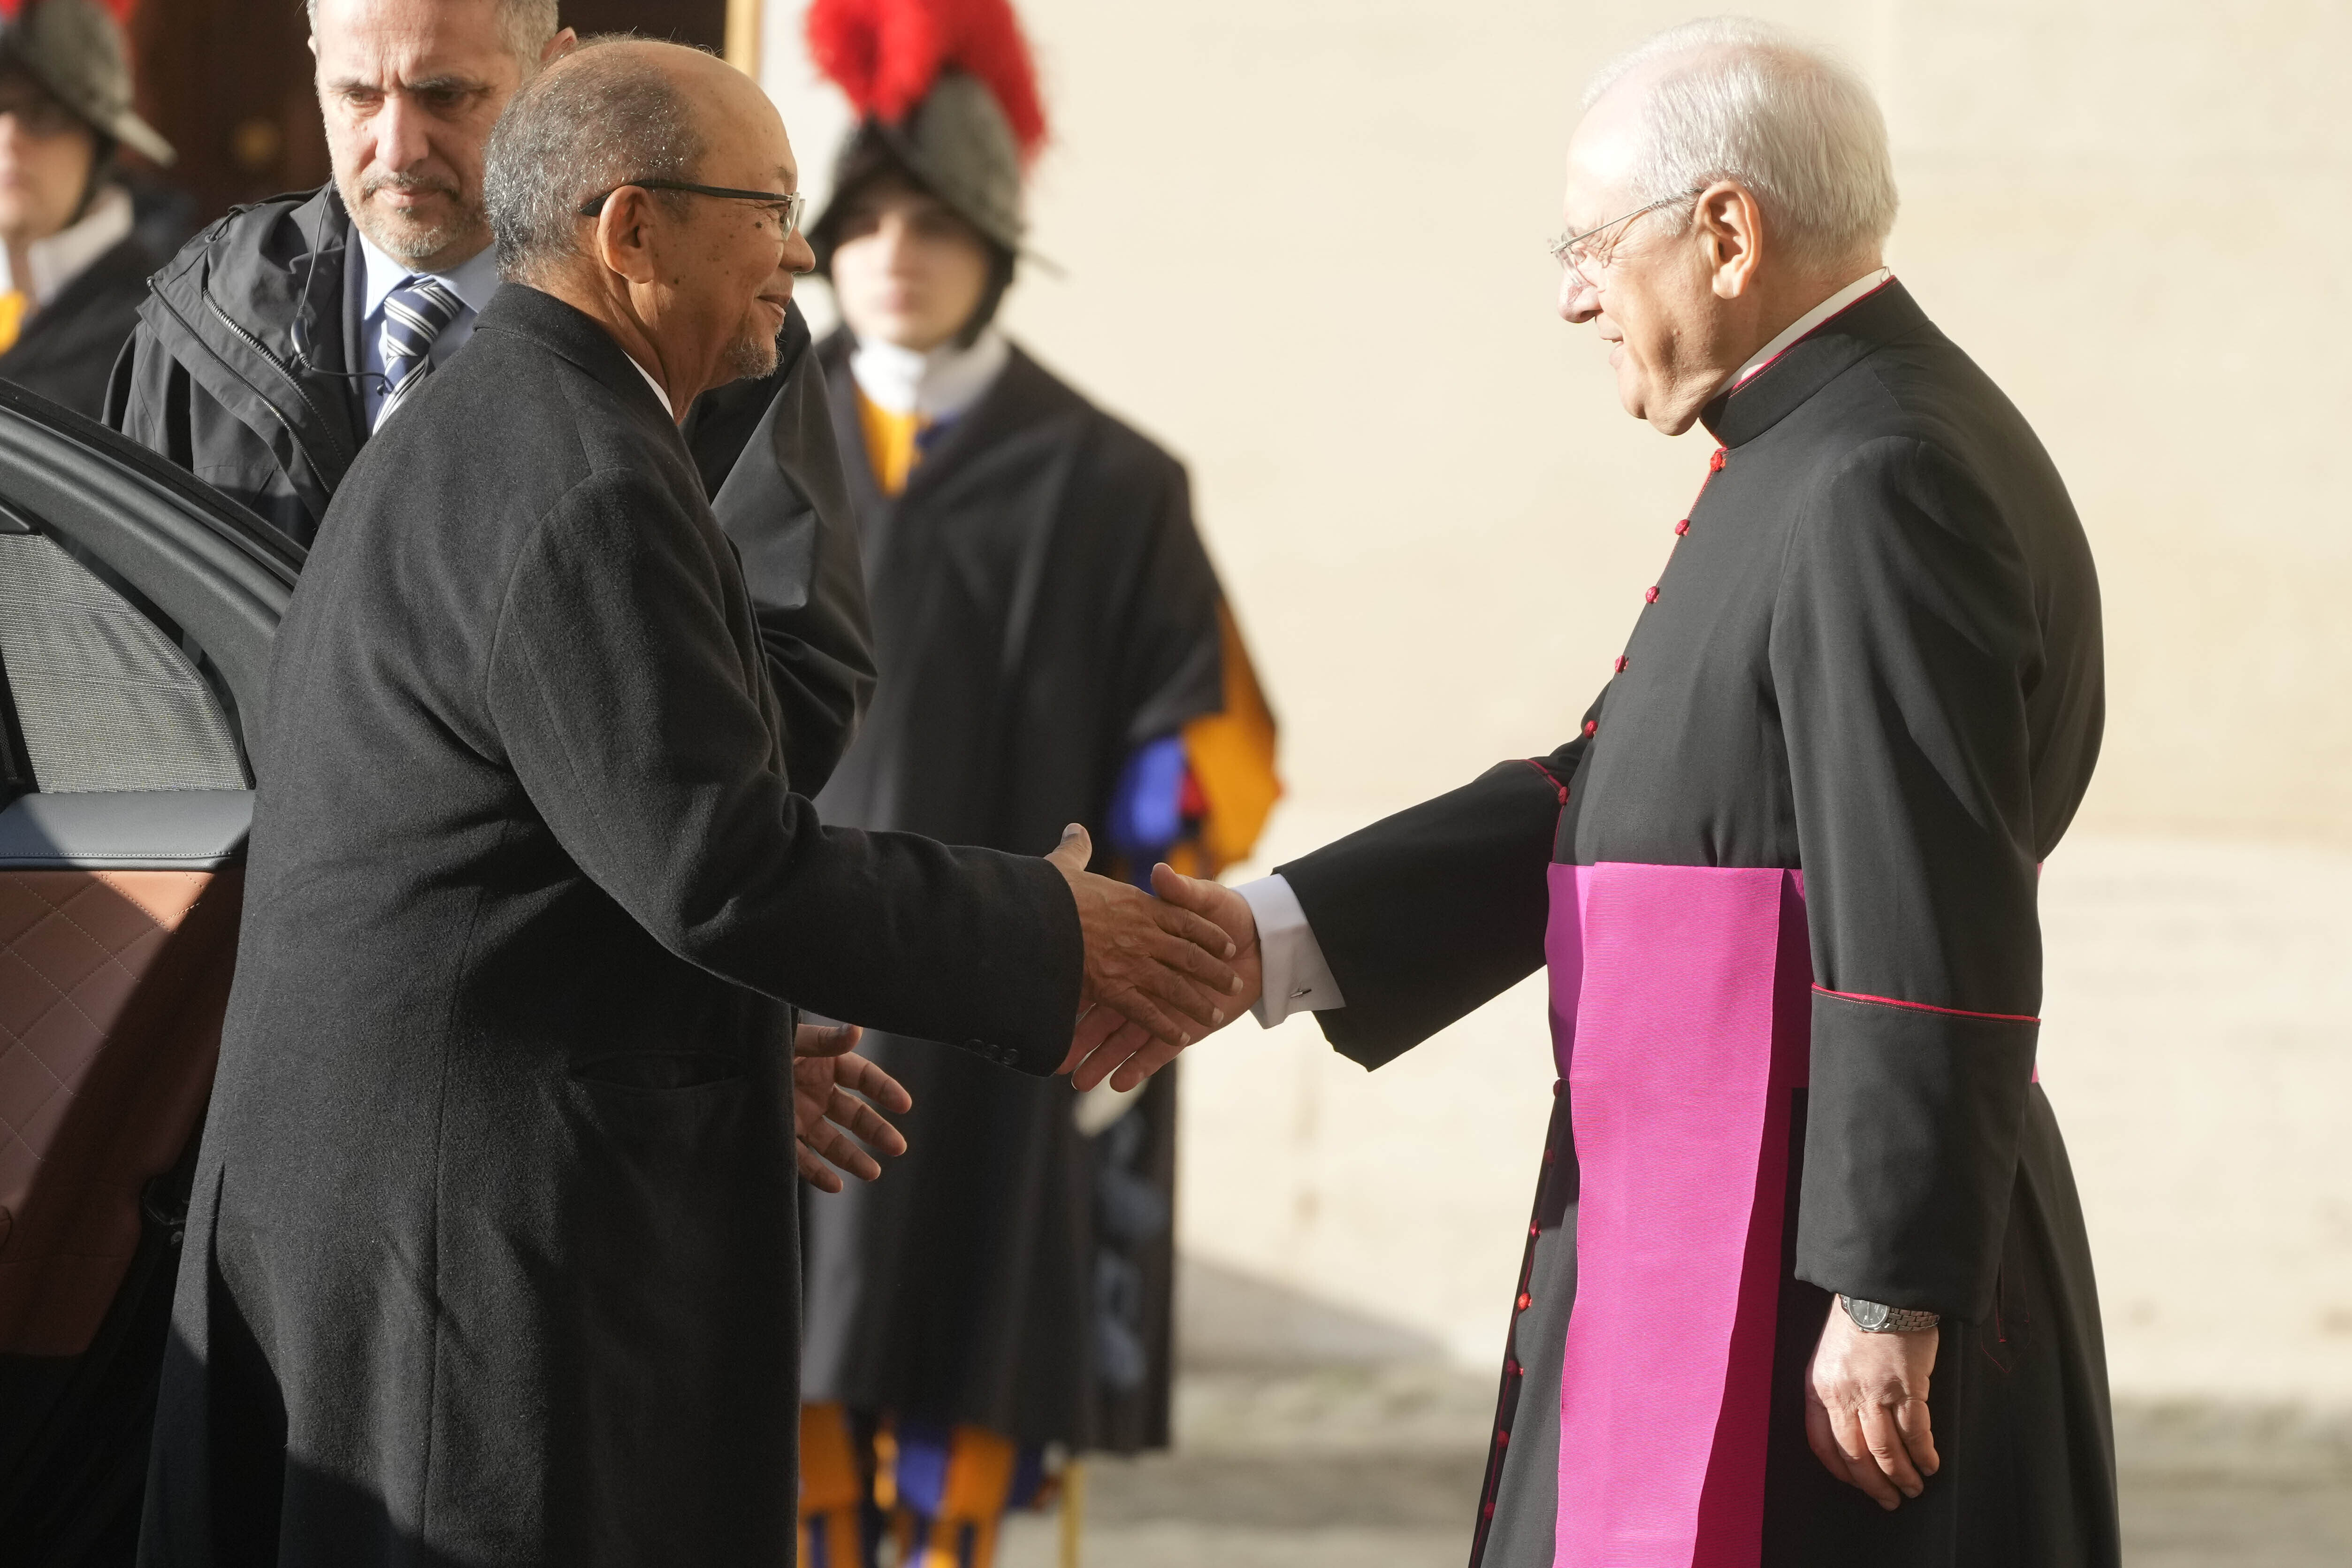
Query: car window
pixel 100 697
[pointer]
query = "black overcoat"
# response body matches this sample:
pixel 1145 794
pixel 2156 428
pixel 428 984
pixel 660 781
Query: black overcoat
pixel 1874 657
pixel 1043 606
pixel 493 1257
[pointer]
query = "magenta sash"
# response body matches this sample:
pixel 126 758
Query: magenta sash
pixel 1682 1020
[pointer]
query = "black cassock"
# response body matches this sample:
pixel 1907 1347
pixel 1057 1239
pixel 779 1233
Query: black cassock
pixel 493 1257
pixel 1784 881
pixel 1042 606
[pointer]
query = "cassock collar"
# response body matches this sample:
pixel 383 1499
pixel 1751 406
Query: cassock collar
pixel 1804 367
pixel 566 329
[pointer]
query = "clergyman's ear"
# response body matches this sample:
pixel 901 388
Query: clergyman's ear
pixel 1732 223
pixel 563 44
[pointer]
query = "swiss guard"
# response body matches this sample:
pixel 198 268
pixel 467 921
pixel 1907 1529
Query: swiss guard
pixel 1053 647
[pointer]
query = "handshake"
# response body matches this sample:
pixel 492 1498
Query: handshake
pixel 1160 973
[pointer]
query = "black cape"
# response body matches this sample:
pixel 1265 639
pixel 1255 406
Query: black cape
pixel 1874 657
pixel 493 1257
pixel 1042 606
pixel 68 347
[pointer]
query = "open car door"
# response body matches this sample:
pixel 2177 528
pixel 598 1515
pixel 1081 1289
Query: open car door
pixel 136 612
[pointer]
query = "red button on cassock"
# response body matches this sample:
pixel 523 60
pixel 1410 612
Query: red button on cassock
pixel 1510 1369
pixel 1486 1512
pixel 1682 527
pixel 1535 1230
pixel 1620 664
pixel 1502 1439
pixel 1524 1299
pixel 1650 596
pixel 1715 464
pixel 1592 726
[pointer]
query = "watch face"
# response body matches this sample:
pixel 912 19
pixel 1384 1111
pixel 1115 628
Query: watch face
pixel 1868 1316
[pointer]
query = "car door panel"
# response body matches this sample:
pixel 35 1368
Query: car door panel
pixel 136 612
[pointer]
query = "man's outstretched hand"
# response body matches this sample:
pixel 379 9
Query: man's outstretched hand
pixel 1160 968
pixel 1111 1046
pixel 827 1115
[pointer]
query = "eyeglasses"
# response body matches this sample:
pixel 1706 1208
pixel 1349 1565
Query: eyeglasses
pixel 789 208
pixel 1582 259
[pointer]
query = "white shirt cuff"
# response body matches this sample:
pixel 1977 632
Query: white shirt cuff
pixel 1295 977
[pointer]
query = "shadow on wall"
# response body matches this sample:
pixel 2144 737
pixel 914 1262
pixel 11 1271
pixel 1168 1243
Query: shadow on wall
pixel 1230 1321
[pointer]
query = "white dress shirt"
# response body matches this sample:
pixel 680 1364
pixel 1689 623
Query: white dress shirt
pixel 1297 979
pixel 473 282
pixel 666 406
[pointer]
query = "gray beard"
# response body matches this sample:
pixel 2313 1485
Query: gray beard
pixel 414 244
pixel 751 357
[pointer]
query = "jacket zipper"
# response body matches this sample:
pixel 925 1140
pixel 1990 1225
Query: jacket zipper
pixel 255 344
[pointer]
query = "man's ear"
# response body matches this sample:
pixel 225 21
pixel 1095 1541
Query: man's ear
pixel 624 239
pixel 1731 226
pixel 563 44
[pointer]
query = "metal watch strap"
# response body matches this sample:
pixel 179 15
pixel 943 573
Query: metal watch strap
pixel 1877 1317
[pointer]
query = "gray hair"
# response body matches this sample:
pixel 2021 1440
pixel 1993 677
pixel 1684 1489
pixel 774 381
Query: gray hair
pixel 600 117
pixel 527 24
pixel 1736 99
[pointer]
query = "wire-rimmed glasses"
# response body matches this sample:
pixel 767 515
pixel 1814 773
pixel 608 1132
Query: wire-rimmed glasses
pixel 1581 257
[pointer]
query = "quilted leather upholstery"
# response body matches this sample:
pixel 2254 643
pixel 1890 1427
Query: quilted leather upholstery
pixel 112 989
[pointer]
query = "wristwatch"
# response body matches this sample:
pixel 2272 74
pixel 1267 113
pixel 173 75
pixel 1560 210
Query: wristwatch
pixel 1878 1318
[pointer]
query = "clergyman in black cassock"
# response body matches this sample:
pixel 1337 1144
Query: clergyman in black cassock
pixel 1807 1277
pixel 1874 657
pixel 1783 881
pixel 493 1252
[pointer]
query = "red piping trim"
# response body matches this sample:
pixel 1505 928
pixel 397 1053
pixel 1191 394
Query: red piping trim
pixel 1750 378
pixel 1549 777
pixel 1926 1007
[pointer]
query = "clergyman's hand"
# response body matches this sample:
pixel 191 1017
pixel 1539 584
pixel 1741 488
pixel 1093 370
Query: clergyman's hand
pixel 1867 1407
pixel 1154 963
pixel 1111 1047
pixel 828 1116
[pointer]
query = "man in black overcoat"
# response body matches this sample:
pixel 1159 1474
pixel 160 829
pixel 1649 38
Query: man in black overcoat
pixel 1807 1280
pixel 493 1257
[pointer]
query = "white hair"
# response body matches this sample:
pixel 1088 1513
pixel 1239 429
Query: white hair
pixel 1729 98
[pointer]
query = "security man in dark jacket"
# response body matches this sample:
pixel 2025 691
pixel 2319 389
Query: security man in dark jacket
pixel 284 335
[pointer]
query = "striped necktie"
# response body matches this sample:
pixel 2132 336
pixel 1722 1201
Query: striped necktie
pixel 414 314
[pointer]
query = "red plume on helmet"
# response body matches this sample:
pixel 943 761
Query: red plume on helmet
pixel 887 54
pixel 120 9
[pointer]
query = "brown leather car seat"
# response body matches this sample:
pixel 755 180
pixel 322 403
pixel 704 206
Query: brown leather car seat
pixel 112 985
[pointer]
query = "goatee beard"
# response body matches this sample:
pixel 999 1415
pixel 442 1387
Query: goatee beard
pixel 752 356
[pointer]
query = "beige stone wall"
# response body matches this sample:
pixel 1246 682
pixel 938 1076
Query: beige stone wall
pixel 1303 242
